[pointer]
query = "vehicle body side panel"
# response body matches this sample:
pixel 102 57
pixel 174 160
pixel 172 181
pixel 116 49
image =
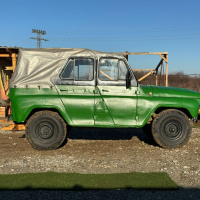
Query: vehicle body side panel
pixel 102 116
pixel 121 104
pixel 24 100
pixel 148 103
pixel 174 92
pixel 78 102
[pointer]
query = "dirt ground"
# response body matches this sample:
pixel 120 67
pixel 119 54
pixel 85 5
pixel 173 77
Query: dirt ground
pixel 103 151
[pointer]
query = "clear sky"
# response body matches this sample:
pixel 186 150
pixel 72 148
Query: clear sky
pixel 111 26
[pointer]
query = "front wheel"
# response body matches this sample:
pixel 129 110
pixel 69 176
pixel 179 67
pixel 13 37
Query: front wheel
pixel 171 128
pixel 45 130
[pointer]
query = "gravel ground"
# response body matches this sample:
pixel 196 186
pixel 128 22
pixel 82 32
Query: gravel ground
pixel 104 151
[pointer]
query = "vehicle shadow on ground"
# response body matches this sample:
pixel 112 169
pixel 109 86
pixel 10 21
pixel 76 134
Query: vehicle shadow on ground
pixel 110 134
pixel 107 134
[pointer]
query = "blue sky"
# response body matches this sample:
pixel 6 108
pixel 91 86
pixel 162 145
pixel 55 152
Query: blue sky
pixel 111 26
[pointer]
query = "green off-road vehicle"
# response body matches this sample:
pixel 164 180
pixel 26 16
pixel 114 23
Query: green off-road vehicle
pixel 52 89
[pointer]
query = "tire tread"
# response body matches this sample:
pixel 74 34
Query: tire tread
pixel 155 131
pixel 62 136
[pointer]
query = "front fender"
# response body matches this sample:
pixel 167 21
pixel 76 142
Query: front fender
pixel 148 105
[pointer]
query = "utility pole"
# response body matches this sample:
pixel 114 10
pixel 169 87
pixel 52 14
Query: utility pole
pixel 38 38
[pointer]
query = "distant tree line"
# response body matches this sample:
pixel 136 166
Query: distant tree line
pixel 175 79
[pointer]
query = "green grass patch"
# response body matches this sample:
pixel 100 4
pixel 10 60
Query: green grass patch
pixel 74 181
pixel 195 126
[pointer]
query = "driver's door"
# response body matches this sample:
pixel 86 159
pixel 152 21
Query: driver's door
pixel 76 89
pixel 120 101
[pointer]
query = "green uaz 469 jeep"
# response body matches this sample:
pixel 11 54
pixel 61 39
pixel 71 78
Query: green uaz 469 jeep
pixel 55 88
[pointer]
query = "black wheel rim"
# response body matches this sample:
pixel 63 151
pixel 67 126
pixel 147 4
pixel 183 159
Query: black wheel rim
pixel 44 130
pixel 173 130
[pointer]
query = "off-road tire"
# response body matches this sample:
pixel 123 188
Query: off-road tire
pixel 147 130
pixel 45 130
pixel 171 128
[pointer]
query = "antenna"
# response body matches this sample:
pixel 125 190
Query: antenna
pixel 38 38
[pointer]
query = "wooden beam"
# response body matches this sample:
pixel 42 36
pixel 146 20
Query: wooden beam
pixel 136 70
pixel 105 70
pixel 9 68
pixel 5 55
pixel 14 127
pixel 8 50
pixel 145 76
pixel 163 57
pixel 159 64
pixel 140 53
pixel 156 79
pixel 167 70
pixel 14 61
pixel 157 71
pixel 107 75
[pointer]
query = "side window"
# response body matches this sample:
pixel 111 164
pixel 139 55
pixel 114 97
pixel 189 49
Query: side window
pixel 108 69
pixel 84 69
pixel 80 69
pixel 68 72
pixel 112 70
pixel 122 70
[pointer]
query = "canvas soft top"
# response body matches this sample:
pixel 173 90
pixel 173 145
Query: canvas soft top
pixel 40 67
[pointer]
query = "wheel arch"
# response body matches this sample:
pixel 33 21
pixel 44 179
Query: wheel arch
pixel 34 110
pixel 184 110
pixel 158 110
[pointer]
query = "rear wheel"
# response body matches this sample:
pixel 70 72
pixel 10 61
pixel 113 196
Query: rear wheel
pixel 171 128
pixel 46 130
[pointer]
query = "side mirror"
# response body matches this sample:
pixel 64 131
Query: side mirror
pixel 128 79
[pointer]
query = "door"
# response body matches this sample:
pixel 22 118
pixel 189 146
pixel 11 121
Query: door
pixel 76 90
pixel 120 101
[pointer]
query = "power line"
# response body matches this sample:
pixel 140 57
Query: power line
pixel 120 39
pixel 122 31
pixel 22 41
pixel 17 38
pixel 38 38
pixel 114 32
pixel 105 38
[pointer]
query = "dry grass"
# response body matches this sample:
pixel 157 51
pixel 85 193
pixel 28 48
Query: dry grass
pixel 176 79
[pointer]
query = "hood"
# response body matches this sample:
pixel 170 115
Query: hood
pixel 159 91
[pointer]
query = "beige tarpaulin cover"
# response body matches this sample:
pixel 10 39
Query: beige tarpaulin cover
pixel 40 67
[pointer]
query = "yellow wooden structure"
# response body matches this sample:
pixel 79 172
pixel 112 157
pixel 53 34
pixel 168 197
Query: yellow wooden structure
pixel 164 58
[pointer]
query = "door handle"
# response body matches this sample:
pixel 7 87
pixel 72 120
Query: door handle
pixel 63 90
pixel 105 90
pixel 67 90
